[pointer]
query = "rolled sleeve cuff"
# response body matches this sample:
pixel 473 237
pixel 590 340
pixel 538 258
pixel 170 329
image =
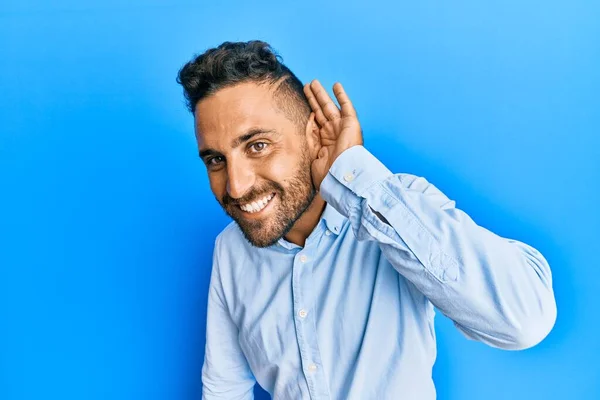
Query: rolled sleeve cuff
pixel 350 177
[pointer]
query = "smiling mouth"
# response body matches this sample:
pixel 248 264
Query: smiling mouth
pixel 257 205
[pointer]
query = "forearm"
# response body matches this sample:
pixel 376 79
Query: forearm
pixel 496 290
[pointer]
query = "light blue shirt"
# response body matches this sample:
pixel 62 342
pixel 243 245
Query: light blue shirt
pixel 350 315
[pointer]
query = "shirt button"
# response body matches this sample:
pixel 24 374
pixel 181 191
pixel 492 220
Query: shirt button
pixel 327 233
pixel 303 258
pixel 312 367
pixel 303 313
pixel 348 177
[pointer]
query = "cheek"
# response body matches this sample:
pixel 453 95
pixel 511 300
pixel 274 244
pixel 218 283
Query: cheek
pixel 280 167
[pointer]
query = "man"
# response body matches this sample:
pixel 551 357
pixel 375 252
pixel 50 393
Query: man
pixel 325 285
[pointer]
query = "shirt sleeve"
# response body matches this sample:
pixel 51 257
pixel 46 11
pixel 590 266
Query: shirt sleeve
pixel 225 373
pixel 496 290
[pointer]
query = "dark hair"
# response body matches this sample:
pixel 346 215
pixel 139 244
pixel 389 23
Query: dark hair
pixel 232 63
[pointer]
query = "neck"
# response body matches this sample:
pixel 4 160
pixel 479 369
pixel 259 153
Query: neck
pixel 307 222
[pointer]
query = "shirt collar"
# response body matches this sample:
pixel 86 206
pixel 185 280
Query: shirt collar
pixel 333 219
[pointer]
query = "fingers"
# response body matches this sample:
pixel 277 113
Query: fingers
pixel 314 104
pixel 330 110
pixel 342 98
pixel 323 106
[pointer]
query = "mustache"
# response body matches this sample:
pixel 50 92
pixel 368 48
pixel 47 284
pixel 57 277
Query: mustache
pixel 253 194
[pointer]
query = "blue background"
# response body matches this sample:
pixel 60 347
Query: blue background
pixel 107 221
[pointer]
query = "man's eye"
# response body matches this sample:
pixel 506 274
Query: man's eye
pixel 258 147
pixel 213 161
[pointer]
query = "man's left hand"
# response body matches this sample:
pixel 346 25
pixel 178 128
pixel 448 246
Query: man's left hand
pixel 339 128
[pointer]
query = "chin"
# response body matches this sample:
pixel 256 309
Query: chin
pixel 261 241
pixel 257 234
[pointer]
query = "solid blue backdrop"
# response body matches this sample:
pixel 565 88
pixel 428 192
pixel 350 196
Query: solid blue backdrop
pixel 107 221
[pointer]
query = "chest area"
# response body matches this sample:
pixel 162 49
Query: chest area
pixel 280 301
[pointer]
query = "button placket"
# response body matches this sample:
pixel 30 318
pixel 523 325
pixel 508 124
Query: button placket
pixel 299 275
pixel 304 322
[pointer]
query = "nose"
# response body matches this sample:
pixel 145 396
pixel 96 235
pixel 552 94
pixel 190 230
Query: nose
pixel 240 178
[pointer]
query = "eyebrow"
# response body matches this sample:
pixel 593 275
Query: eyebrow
pixel 240 140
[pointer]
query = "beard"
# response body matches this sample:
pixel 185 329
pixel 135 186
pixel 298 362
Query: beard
pixel 293 200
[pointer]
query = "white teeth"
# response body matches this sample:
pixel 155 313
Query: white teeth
pixel 256 205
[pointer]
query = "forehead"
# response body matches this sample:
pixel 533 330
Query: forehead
pixel 233 110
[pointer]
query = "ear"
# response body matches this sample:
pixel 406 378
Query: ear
pixel 312 136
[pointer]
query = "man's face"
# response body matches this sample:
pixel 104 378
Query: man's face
pixel 257 160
